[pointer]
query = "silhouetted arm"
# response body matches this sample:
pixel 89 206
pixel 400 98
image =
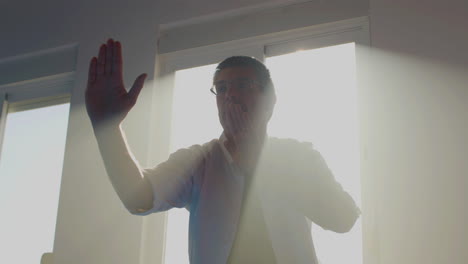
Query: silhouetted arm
pixel 322 198
pixel 108 103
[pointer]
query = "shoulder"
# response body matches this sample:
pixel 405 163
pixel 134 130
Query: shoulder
pixel 197 150
pixel 287 163
pixel 288 142
pixel 291 148
pixel 187 157
pixel 293 157
pixel 197 156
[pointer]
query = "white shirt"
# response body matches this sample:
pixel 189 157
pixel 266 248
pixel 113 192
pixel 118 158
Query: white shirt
pixel 293 183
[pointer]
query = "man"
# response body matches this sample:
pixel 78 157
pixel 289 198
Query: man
pixel 247 193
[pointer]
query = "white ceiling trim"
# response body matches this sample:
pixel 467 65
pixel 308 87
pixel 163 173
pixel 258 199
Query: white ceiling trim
pixel 232 13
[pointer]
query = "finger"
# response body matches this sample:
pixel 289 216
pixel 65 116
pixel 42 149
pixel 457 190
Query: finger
pixel 238 118
pixel 228 115
pixel 136 88
pixel 92 70
pixel 117 59
pixel 245 120
pixel 101 61
pixel 233 119
pixel 249 122
pixel 250 127
pixel 109 50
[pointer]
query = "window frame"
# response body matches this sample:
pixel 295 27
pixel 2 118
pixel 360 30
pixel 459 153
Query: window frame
pixel 30 94
pixel 261 46
pixel 316 36
pixel 35 93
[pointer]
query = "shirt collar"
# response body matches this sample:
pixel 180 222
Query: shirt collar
pixel 222 140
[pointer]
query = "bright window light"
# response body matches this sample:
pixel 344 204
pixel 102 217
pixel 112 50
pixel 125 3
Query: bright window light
pixel 316 92
pixel 317 102
pixel 195 115
pixel 30 175
pixel 195 121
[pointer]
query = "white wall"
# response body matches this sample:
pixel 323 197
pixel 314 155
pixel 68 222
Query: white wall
pixel 417 110
pixel 415 113
pixel 92 225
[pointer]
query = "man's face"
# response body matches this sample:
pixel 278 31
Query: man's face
pixel 242 106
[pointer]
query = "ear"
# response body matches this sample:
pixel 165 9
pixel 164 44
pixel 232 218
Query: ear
pixel 270 104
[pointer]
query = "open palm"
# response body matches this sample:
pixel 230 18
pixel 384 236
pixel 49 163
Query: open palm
pixel 107 100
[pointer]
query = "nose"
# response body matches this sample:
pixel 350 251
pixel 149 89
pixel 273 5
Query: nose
pixel 232 92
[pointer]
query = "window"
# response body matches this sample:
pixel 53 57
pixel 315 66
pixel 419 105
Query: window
pixel 33 126
pixel 30 174
pixel 194 121
pixel 315 77
pixel 317 102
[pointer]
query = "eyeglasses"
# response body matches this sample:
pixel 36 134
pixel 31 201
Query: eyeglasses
pixel 241 85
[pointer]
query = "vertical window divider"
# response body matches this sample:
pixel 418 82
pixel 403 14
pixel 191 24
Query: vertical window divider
pixel 3 116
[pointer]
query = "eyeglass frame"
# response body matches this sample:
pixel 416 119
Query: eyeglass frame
pixel 251 83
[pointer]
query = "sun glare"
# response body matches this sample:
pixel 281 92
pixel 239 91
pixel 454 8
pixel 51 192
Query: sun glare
pixel 317 103
pixel 316 91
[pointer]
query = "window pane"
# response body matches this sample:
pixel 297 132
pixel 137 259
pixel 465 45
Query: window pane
pixel 194 112
pixel 316 102
pixel 194 121
pixel 30 174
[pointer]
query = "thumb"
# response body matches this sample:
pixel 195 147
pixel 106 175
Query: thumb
pixel 136 87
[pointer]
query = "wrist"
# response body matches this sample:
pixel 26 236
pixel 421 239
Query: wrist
pixel 104 130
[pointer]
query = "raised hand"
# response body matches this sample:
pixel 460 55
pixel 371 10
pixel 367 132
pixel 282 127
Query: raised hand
pixel 107 100
pixel 238 121
pixel 245 136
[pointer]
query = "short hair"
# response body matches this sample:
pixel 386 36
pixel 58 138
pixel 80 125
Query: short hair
pixel 261 71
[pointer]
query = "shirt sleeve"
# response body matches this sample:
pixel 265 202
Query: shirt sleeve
pixel 172 181
pixel 305 183
pixel 320 197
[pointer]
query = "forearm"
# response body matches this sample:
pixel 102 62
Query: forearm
pixel 337 212
pixel 122 169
